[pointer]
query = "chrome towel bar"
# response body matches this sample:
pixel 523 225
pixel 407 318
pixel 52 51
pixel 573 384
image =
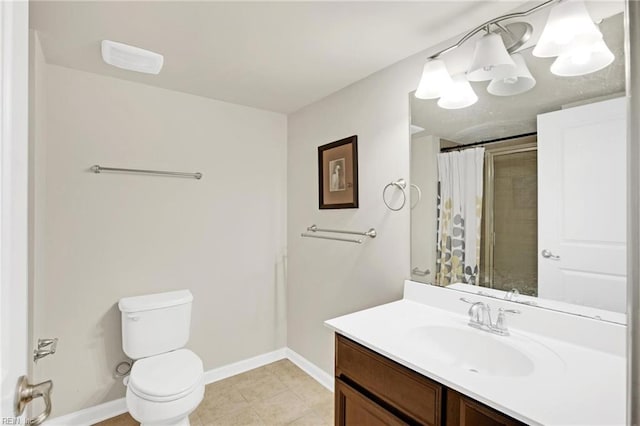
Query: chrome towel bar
pixel 324 237
pixel 371 233
pixel 99 169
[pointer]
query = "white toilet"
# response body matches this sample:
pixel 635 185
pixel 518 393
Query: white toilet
pixel 166 383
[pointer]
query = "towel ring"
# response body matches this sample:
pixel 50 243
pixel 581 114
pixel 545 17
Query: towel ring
pixel 401 184
pixel 419 191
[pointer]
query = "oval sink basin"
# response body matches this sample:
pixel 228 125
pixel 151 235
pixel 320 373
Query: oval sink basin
pixel 477 351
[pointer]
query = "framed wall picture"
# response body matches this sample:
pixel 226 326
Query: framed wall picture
pixel 338 174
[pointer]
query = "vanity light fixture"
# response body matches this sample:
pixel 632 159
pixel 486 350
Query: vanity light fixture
pixel 490 59
pixel 570 34
pixel 569 27
pixel 518 82
pixel 459 95
pixel 581 62
pixel 435 80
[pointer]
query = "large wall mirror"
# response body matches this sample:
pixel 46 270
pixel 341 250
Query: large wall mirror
pixel 522 196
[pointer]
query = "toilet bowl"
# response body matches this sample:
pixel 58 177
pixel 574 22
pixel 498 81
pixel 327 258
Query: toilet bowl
pixel 166 382
pixel 165 389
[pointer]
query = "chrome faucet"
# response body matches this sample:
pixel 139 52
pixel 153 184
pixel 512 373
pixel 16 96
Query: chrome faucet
pixel 479 314
pixel 480 318
pixel 512 296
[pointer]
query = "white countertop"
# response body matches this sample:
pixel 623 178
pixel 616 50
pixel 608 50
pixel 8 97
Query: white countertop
pixel 576 385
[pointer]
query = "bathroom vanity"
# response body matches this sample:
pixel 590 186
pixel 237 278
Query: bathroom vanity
pixel 374 390
pixel 506 213
pixel 417 361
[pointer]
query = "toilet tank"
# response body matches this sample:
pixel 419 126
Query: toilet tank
pixel 155 323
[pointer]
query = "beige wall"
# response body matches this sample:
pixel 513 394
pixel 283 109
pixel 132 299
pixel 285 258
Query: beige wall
pixel 424 213
pixel 106 236
pixel 328 278
pixel 112 235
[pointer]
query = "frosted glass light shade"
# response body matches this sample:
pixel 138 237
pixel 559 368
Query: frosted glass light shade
pixel 568 27
pixel 435 80
pixel 520 82
pixel 459 95
pixel 490 59
pixel 585 61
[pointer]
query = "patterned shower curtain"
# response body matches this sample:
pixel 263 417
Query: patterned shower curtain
pixel 460 176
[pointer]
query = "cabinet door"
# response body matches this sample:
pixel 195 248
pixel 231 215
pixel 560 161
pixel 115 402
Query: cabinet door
pixel 354 409
pixel 463 411
pixel 397 386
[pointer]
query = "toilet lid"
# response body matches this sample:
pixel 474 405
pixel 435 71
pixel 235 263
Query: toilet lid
pixel 173 374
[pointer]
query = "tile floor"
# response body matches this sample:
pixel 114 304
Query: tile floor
pixel 276 394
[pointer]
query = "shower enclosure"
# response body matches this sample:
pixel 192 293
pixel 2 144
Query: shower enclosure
pixel 510 216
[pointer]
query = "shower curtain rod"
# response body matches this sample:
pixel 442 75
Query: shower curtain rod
pixel 490 141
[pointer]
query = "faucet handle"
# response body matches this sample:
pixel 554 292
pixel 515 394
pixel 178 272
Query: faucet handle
pixel 501 321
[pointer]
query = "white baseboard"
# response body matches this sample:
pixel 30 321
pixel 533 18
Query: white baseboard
pixel 98 413
pixel 91 415
pixel 321 376
pixel 225 371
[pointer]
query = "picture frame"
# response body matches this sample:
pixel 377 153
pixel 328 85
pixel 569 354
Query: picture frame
pixel 338 174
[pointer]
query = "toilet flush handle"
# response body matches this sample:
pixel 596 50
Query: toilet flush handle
pixel 133 317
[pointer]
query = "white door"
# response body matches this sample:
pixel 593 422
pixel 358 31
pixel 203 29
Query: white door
pixel 14 52
pixel 582 205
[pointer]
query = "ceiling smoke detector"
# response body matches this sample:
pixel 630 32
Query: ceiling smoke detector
pixel 131 58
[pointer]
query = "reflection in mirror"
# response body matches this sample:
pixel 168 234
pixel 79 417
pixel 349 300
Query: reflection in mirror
pixel 523 197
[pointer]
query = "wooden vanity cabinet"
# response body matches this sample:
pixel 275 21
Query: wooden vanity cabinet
pixel 464 411
pixel 372 390
pixel 357 409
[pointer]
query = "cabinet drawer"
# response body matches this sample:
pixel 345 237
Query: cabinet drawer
pixel 396 385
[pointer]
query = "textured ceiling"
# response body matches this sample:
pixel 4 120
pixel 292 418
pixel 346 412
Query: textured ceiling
pixel 277 56
pixel 496 116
